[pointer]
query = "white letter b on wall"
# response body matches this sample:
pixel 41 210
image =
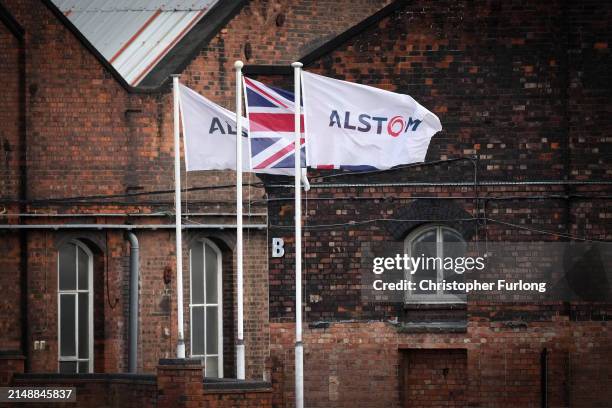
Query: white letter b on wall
pixel 278 247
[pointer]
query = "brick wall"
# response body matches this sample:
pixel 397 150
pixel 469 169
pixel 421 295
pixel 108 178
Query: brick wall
pixel 516 84
pixel 10 325
pixel 11 363
pixel 237 399
pixel 87 136
pixel 493 363
pixel 278 32
pixel 178 383
pixel 507 81
pixel 434 378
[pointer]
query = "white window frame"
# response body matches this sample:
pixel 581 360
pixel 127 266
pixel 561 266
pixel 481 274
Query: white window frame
pixel 76 292
pixel 219 305
pixel 440 297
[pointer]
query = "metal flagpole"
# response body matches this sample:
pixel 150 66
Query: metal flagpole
pixel 240 341
pixel 180 347
pixel 299 348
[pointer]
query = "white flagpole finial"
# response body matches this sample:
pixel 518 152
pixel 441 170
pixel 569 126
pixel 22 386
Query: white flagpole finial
pixel 238 64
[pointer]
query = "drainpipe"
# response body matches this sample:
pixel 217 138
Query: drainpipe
pixel 133 313
pixel 23 197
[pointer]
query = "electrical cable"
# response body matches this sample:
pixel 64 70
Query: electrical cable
pixel 375 220
pixel 400 167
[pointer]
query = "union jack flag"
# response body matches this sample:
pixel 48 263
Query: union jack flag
pixel 272 123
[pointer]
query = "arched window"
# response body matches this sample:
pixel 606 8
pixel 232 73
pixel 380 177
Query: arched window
pixel 434 244
pixel 75 308
pixel 205 306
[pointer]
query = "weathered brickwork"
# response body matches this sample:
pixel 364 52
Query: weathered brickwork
pixel 175 385
pixel 87 136
pixel 434 378
pixel 525 86
pixel 509 88
pixel 278 32
pixel 361 363
pixel 10 146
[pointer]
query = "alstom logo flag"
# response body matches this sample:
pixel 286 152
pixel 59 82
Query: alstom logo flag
pixel 209 132
pixel 350 124
pixel 271 126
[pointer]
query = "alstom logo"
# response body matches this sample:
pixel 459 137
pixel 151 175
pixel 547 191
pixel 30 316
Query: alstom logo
pixel 218 125
pixel 366 123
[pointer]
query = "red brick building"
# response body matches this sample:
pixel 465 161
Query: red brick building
pixel 523 92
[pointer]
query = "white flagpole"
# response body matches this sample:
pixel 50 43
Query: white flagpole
pixel 299 348
pixel 240 363
pixel 180 347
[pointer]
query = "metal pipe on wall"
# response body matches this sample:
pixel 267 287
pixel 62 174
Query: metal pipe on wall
pixel 134 303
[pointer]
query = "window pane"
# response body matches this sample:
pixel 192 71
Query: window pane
pixel 83 325
pixel 454 247
pixel 83 272
pixel 67 325
pixel 67 267
pixel 197 330
pixel 83 366
pixel 212 329
pixel 211 275
pixel 212 367
pixel 424 247
pixel 197 275
pixel 67 367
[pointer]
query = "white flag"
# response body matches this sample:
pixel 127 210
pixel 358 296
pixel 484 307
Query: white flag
pixel 209 132
pixel 350 124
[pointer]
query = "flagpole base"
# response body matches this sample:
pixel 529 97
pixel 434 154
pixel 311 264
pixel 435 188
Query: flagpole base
pixel 299 374
pixel 240 362
pixel 180 349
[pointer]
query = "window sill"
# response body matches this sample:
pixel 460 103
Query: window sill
pixel 433 327
pixel 434 304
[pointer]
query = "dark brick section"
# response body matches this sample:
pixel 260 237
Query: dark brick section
pixel 500 86
pixel 432 211
pixel 11 363
pixel 97 390
pixel 515 88
pixel 178 383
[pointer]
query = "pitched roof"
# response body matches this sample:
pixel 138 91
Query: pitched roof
pixel 134 36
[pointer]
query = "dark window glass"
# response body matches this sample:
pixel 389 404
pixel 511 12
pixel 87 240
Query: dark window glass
pixel 212 330
pixel 83 325
pixel 83 272
pixel 424 247
pixel 67 367
pixel 197 274
pixel 83 366
pixel 454 247
pixel 67 325
pixel 211 275
pixel 197 315
pixel 67 267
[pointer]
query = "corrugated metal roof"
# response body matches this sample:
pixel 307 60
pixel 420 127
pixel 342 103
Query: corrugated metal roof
pixel 134 35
